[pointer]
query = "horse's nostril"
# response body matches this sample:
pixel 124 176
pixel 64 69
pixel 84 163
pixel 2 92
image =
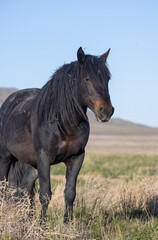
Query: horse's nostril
pixel 101 109
pixel 105 112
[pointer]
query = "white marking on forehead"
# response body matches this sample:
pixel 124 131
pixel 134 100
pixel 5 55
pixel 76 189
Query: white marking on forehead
pixel 98 71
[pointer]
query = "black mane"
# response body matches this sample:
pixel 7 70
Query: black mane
pixel 58 99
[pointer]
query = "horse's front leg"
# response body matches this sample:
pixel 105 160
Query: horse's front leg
pixel 72 171
pixel 43 165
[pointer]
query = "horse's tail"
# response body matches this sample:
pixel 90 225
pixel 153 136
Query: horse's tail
pixel 23 176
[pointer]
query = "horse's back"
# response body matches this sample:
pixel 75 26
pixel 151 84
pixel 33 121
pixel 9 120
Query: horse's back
pixel 15 100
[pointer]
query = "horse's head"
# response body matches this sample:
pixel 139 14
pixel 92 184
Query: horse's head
pixel 94 78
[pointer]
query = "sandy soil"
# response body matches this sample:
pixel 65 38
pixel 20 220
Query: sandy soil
pixel 126 144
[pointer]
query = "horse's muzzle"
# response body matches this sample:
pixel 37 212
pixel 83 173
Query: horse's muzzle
pixel 104 114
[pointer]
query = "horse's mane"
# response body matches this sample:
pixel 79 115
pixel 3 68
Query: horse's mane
pixel 58 99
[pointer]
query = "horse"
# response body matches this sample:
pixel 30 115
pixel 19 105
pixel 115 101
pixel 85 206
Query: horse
pixel 43 127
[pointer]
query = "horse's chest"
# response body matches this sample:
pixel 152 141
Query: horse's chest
pixel 71 146
pixel 75 145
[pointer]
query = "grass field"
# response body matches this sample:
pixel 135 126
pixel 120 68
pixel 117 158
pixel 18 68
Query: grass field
pixel 117 199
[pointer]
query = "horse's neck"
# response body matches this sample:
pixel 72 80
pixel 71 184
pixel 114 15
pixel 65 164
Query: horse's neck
pixel 72 127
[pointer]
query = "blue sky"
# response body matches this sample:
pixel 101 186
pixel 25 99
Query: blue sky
pixel 37 37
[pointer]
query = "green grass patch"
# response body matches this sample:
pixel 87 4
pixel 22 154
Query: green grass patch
pixel 58 169
pixel 117 166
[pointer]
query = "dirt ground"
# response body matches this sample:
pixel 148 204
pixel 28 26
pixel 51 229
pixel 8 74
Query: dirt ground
pixel 125 144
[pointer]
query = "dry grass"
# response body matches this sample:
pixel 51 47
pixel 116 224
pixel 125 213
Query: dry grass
pixel 16 221
pixel 120 196
pixel 100 200
pixel 97 201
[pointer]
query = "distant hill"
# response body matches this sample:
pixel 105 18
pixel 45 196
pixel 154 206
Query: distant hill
pixel 5 92
pixel 118 126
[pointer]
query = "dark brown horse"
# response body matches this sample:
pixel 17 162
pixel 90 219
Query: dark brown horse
pixel 42 127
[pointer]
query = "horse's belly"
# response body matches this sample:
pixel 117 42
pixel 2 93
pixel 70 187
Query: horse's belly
pixel 23 152
pixel 22 149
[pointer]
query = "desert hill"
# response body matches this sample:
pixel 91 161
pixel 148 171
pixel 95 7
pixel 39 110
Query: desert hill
pixel 5 92
pixel 115 137
pixel 118 126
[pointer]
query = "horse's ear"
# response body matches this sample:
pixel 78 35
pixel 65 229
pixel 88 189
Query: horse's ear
pixel 105 55
pixel 81 56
